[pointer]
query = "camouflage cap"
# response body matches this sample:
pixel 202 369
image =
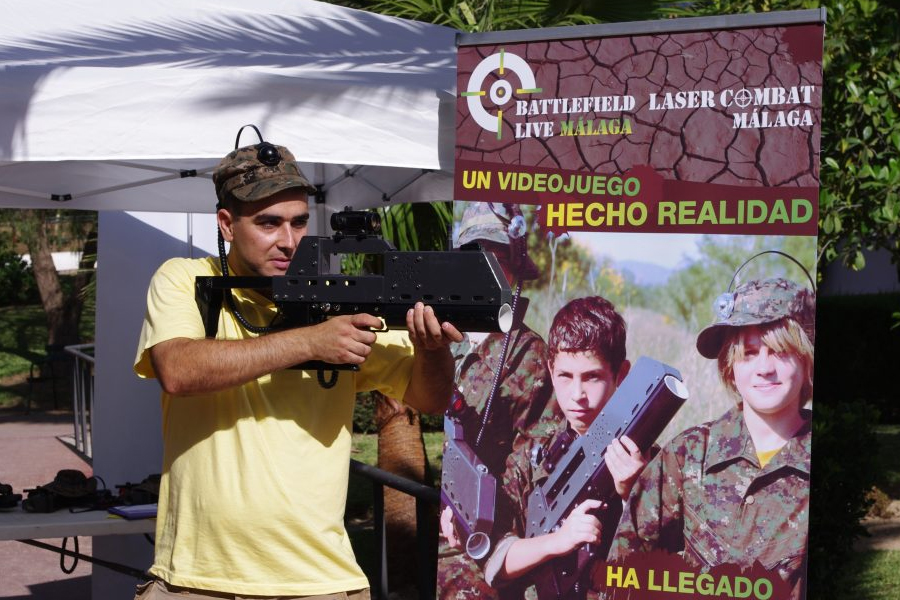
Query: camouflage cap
pixel 502 224
pixel 256 172
pixel 755 303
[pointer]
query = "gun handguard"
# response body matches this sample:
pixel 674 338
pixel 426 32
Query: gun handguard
pixel 641 408
pixel 466 485
pixel 465 287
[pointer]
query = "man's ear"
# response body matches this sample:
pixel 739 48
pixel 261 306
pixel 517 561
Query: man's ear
pixel 225 221
pixel 623 372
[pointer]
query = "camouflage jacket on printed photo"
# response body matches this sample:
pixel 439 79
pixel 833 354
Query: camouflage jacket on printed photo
pixel 519 480
pixel 517 410
pixel 520 409
pixel 706 496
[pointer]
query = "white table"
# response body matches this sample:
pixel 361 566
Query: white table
pixel 20 525
pixel 28 527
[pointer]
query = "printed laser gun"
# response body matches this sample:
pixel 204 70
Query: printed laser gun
pixel 641 408
pixel 466 485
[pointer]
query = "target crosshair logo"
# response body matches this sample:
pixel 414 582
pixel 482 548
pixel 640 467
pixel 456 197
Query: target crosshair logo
pixel 501 91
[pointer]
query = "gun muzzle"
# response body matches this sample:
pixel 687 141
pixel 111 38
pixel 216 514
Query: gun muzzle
pixel 478 545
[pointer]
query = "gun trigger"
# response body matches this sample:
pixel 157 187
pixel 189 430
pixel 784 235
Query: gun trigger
pixel 384 327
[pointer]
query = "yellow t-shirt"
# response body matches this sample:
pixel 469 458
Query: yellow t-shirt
pixel 254 479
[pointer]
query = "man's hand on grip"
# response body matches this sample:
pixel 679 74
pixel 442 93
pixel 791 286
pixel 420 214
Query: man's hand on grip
pixel 426 332
pixel 346 339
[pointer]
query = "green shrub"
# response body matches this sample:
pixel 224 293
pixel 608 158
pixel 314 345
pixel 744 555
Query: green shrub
pixel 844 468
pixel 856 351
pixel 17 285
pixel 364 414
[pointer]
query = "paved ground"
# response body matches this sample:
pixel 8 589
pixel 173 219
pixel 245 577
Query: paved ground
pixel 30 455
pixel 885 535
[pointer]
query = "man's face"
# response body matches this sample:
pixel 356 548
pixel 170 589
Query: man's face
pixel 769 382
pixel 583 383
pixel 264 234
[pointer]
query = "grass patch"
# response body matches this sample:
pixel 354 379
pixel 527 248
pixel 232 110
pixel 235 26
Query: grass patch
pixel 364 448
pixel 23 335
pixel 873 575
pixel 23 340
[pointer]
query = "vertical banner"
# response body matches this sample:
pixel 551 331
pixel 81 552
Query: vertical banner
pixel 651 192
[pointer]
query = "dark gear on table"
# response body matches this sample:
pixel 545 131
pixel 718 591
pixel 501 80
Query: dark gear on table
pixel 7 498
pixel 70 488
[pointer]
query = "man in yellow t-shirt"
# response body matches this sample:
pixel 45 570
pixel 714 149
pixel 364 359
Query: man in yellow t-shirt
pixel 256 455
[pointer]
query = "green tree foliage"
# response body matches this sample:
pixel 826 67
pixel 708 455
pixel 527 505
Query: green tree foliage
pixel 17 284
pixel 842 478
pixel 483 15
pixel 690 292
pixel 418 226
pixel 498 15
pixel 568 270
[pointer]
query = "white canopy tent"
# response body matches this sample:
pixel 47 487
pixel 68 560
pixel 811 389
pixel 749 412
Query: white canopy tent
pixel 109 105
pixel 126 108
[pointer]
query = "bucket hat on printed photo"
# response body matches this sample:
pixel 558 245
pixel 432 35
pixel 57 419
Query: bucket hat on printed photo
pixel 502 224
pixel 756 303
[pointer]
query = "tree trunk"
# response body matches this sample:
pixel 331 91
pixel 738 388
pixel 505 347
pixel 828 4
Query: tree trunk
pixel 63 313
pixel 401 450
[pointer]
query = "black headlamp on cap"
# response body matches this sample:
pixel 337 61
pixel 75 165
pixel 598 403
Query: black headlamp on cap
pixel 256 172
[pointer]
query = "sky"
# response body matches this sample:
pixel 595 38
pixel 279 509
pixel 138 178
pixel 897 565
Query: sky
pixel 666 250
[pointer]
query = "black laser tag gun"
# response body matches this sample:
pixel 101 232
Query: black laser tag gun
pixel 465 287
pixel 466 485
pixel 640 408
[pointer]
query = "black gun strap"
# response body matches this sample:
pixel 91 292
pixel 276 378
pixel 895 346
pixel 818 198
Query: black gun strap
pixel 501 364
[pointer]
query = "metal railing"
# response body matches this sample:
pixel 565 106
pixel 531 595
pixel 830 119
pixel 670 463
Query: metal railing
pixel 83 395
pixel 424 495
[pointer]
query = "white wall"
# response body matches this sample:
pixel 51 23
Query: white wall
pixel 879 276
pixel 127 445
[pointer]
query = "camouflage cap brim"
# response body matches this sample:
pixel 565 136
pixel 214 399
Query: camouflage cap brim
pixel 254 173
pixel 710 340
pixel 262 189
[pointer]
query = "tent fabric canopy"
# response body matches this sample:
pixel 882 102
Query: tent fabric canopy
pixel 129 106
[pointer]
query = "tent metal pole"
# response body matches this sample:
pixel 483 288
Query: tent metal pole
pixel 26 193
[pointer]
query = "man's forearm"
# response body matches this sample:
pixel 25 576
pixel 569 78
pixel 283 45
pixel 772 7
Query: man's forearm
pixel 189 366
pixel 431 382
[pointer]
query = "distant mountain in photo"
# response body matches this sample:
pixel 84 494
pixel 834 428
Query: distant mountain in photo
pixel 645 273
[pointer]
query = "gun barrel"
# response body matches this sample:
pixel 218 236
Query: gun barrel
pixel 465 287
